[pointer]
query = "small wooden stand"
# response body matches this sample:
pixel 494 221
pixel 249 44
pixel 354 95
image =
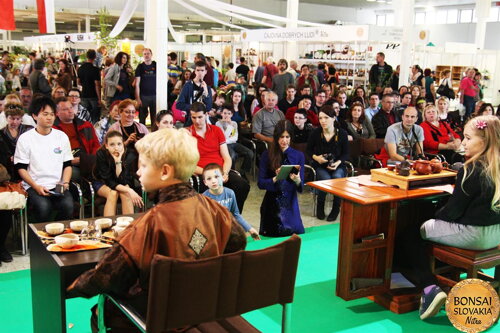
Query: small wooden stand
pixel 414 180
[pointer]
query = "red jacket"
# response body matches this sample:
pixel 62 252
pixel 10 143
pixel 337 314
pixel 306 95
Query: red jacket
pixel 312 117
pixel 433 135
pixel 86 133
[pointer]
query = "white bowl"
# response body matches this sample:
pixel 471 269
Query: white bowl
pixel 119 229
pixel 124 221
pixel 105 223
pixel 54 228
pixel 78 225
pixel 66 241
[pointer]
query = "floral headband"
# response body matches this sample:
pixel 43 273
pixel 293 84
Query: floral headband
pixel 481 124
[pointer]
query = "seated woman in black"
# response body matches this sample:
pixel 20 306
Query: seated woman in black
pixel 471 217
pixel 114 174
pixel 329 148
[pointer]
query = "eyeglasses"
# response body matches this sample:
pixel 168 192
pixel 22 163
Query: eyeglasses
pixel 73 96
pixel 129 112
pixel 299 118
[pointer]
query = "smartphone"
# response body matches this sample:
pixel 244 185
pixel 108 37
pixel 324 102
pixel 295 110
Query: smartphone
pixel 294 171
pixel 140 135
pixel 56 194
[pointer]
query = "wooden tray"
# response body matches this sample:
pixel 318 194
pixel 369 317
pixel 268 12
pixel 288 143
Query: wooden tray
pixel 414 180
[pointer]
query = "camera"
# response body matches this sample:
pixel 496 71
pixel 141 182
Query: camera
pixel 140 135
pixel 330 158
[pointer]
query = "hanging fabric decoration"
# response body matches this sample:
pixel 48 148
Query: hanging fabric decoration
pixel 125 16
pixel 205 15
pixel 46 16
pixel 7 21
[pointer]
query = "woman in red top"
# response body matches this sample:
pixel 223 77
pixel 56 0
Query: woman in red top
pixel 304 103
pixel 468 91
pixel 439 137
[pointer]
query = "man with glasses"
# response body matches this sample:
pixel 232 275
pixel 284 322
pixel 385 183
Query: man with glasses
pixel 81 134
pixel 301 128
pixel 385 117
pixel 80 111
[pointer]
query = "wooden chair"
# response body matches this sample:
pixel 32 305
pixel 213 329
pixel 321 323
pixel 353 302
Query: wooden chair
pixel 469 261
pixel 210 294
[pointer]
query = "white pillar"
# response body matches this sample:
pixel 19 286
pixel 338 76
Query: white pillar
pixel 87 24
pixel 161 53
pixel 406 20
pixel 483 8
pixel 79 28
pixel 150 24
pixel 292 12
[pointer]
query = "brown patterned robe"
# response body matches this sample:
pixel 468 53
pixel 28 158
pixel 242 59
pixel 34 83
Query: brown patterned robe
pixel 183 225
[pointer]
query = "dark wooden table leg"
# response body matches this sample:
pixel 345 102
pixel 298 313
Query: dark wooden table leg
pixel 48 298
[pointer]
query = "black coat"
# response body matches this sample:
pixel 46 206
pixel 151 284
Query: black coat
pixel 338 145
pixel 381 123
pixel 105 169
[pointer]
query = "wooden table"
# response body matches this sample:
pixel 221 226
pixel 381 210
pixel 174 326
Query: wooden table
pixel 51 274
pixel 367 211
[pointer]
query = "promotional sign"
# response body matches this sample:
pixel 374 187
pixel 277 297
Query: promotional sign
pixel 313 34
pixel 68 38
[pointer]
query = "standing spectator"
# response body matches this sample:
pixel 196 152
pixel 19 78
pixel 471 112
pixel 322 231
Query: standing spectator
pixel 279 211
pixel 118 85
pixel 417 76
pixel 395 79
pixel 243 69
pixel 289 100
pixel 101 54
pixel 385 117
pixel 230 76
pixel 213 149
pixel 269 72
pixel 80 111
pixel 209 76
pixel 282 80
pixel 265 119
pixel 145 87
pixel 328 148
pixel 380 74
pixel 43 159
pixel 293 69
pixel 195 90
pixel 64 76
pixel 89 77
pixel 305 78
pixel 373 107
pixel 430 90
pixel 38 81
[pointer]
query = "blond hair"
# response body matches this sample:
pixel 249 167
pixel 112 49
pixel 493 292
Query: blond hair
pixel 13 99
pixel 169 146
pixel 488 129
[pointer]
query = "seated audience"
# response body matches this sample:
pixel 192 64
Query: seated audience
pixel 360 94
pixel 385 117
pixel 373 107
pixel 358 126
pixel 301 128
pixel 279 211
pixel 258 101
pixel 289 100
pixel 305 102
pixel 329 148
pixel 58 91
pixel 319 101
pixel 26 96
pixel 239 115
pixel 403 140
pixel 103 125
pixel 405 102
pixel 265 120
pixel 43 159
pixel 5 215
pixel 182 217
pixel 453 118
pixel 131 130
pixel 114 174
pixel 14 99
pixel 212 178
pixel 230 130
pixel 486 109
pixel 213 149
pixel 164 119
pixel 439 137
pixel 342 99
pixel 82 137
pixel 80 111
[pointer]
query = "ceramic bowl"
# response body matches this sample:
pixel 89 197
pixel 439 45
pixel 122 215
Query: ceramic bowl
pixel 66 241
pixel 124 221
pixel 54 228
pixel 105 223
pixel 78 225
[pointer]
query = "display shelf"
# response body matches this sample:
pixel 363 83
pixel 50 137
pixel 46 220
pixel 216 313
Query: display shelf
pixel 337 61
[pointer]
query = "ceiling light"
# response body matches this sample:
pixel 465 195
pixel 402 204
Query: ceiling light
pixel 177 26
pixel 371 0
pixel 381 1
pixel 194 24
pixel 215 28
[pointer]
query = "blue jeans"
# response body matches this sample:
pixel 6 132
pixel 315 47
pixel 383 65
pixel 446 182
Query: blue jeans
pixel 324 174
pixel 470 104
pixel 44 206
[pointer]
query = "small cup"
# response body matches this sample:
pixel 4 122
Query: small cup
pixel 391 167
pixel 67 241
pixel 104 223
pixel 54 228
pixel 118 230
pixel 78 225
pixel 124 221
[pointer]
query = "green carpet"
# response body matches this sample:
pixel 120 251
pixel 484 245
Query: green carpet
pixel 315 308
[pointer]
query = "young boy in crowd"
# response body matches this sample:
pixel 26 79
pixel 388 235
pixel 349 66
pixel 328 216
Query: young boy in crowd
pixel 212 177
pixel 230 130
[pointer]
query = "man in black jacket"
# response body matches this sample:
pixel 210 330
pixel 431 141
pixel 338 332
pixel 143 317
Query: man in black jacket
pixel 385 117
pixel 380 74
pixel 38 81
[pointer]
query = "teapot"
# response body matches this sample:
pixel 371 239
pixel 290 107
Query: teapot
pixel 437 166
pixel 423 167
pixel 403 168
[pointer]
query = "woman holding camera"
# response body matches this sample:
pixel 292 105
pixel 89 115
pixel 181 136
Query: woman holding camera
pixel 328 147
pixel 131 130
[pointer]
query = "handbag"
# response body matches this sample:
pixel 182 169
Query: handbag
pixel 12 196
pixel 444 90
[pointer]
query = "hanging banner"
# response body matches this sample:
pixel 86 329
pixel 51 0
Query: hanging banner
pixel 335 33
pixel 68 38
pixel 46 16
pixel 7 21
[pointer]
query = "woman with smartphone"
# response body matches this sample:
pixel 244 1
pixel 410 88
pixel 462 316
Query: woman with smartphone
pixel 279 211
pixel 131 130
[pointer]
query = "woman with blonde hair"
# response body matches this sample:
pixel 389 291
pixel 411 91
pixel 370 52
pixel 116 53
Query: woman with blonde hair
pixel 471 217
pixel 59 91
pixel 14 99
